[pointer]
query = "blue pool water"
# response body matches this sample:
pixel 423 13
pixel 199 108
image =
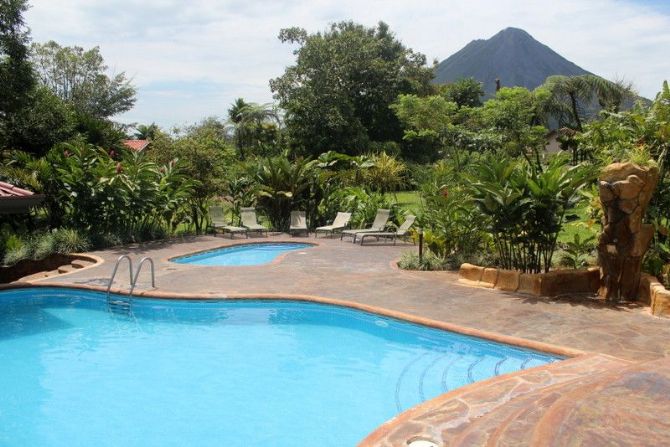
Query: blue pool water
pixel 241 254
pixel 220 373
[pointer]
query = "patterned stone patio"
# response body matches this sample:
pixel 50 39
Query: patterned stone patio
pixel 585 400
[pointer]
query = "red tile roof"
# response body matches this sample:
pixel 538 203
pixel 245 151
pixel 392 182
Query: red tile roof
pixel 137 145
pixel 7 190
pixel 15 200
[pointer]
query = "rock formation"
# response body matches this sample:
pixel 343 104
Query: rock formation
pixel 625 192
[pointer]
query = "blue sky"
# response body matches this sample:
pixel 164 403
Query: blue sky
pixel 190 60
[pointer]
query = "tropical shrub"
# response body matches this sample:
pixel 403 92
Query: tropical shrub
pixel 123 193
pixel 387 173
pixel 429 261
pixel 524 208
pixel 452 227
pixel 283 185
pixel 41 245
pixel 576 253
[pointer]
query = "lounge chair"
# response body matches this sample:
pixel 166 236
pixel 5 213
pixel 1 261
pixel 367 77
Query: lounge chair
pixel 340 223
pixel 250 221
pixel 401 232
pixel 378 226
pixel 298 223
pixel 217 217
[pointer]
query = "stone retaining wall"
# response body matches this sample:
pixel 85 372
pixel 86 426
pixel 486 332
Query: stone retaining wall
pixel 561 282
pixel 554 283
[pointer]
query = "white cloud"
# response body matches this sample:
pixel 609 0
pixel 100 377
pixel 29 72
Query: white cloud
pixel 172 48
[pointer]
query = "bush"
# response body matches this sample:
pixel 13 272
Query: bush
pixel 430 261
pixel 16 255
pixel 576 253
pixel 68 240
pixel 43 245
pixel 525 208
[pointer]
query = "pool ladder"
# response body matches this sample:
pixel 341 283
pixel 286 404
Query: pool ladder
pixel 122 304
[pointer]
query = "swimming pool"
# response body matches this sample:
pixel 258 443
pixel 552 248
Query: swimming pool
pixel 234 373
pixel 241 254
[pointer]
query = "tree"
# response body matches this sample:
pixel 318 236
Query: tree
pixel 571 97
pixel 203 154
pixel 283 185
pixel 144 132
pixel 254 126
pixel 16 74
pixel 79 78
pixel 464 92
pixel 514 117
pixel 337 95
pixel 43 122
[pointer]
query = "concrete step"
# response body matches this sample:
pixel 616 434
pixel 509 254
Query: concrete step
pixel 80 263
pixel 67 268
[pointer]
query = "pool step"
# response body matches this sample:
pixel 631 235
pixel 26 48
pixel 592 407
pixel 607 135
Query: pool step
pixel 498 411
pixel 80 263
pixel 120 305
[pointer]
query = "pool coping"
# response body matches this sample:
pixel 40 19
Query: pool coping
pixel 275 261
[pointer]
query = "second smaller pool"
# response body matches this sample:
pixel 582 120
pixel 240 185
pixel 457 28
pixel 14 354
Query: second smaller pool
pixel 241 254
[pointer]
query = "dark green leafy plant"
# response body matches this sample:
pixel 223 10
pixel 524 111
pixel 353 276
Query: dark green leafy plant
pixel 525 209
pixel 283 185
pixel 576 253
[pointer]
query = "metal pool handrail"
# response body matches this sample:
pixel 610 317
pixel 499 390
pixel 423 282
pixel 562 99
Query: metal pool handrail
pixel 116 267
pixel 137 274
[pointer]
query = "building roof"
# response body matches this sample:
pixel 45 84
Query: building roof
pixel 8 190
pixel 137 145
pixel 14 200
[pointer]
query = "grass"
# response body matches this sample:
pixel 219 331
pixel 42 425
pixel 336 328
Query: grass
pixel 407 200
pixel 578 226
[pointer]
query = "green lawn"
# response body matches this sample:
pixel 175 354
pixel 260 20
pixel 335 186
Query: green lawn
pixel 407 200
pixel 578 226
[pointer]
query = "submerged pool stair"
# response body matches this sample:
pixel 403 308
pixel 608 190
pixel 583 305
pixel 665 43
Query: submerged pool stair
pixel 122 304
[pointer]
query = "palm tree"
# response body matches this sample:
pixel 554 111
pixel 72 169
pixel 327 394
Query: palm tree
pixel 247 121
pixel 144 132
pixel 283 185
pixel 570 95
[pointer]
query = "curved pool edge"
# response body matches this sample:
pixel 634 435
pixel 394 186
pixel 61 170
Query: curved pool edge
pixel 374 438
pixel 548 348
pixel 276 260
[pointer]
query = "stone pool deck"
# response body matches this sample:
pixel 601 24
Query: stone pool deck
pixel 617 392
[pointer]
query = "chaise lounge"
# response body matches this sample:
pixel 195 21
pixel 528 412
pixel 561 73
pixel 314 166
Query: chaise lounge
pixel 250 221
pixel 339 224
pixel 298 223
pixel 401 232
pixel 217 217
pixel 378 226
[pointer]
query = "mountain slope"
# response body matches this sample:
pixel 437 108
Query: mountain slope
pixel 512 55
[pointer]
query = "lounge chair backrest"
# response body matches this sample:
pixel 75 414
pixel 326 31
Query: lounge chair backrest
pixel 248 216
pixel 216 212
pixel 298 219
pixel 381 220
pixel 406 225
pixel 341 220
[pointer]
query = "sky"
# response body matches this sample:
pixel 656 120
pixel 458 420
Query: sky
pixel 191 59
